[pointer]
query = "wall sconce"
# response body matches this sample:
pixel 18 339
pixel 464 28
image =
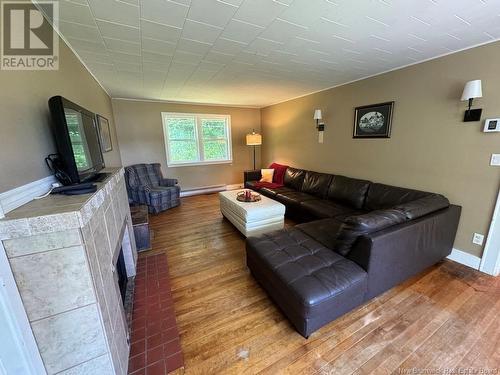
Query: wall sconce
pixel 472 90
pixel 317 116
pixel 319 124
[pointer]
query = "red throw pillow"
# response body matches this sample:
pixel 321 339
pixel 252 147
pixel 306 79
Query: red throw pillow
pixel 279 173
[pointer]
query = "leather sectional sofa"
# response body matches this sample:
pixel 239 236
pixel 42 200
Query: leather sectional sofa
pixel 356 240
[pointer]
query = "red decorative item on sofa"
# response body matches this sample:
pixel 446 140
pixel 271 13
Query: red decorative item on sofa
pixel 279 173
pixel 270 185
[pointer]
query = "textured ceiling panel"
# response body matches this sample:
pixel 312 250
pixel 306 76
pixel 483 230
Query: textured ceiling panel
pixel 258 52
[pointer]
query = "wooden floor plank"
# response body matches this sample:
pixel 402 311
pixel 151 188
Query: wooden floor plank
pixel 228 325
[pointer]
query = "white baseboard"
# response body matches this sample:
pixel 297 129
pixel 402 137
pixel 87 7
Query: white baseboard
pixel 210 189
pixel 12 199
pixel 464 258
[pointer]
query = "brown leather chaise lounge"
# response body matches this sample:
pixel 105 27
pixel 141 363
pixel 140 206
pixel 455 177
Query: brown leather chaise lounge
pixel 357 239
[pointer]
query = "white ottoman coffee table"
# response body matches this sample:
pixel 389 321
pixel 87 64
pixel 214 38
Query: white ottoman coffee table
pixel 252 218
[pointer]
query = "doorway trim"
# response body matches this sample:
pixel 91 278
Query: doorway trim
pixel 490 262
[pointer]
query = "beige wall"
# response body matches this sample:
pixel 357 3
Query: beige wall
pixel 430 147
pixel 25 129
pixel 140 134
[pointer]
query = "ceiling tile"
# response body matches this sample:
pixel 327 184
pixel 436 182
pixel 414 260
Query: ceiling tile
pixel 260 12
pixel 281 30
pixel 241 31
pixel 90 57
pixel 164 11
pixel 212 12
pixel 100 68
pixel 186 57
pixel 89 46
pixel 71 12
pixel 210 65
pixel 115 11
pixel 158 46
pixel 117 31
pixel 200 31
pixel 128 67
pixel 125 57
pixel 217 57
pixel 117 45
pixel 158 31
pixel 158 58
pixel 76 30
pixel 193 46
pixel 156 66
pixel 227 46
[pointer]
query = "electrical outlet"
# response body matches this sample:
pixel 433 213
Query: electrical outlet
pixel 495 159
pixel 478 239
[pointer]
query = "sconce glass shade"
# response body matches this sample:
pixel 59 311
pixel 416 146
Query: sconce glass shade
pixel 254 139
pixel 472 90
pixel 317 114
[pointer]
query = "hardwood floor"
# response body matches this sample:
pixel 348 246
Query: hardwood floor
pixel 447 317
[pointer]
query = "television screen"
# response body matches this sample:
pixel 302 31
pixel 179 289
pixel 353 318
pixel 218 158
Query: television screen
pixel 77 140
pixel 84 139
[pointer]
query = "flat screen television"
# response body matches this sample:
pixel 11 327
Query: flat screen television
pixel 77 139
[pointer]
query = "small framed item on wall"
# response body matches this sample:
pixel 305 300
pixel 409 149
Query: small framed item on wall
pixel 104 133
pixel 492 125
pixel 373 121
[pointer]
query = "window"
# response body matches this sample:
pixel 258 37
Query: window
pixel 193 139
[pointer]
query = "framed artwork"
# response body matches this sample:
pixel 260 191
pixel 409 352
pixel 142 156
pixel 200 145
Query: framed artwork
pixel 373 121
pixel 104 133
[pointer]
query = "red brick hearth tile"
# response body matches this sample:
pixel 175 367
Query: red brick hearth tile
pixel 154 355
pixel 175 361
pixel 173 346
pixel 136 363
pixel 157 368
pixel 155 347
pixel 154 341
pixel 137 347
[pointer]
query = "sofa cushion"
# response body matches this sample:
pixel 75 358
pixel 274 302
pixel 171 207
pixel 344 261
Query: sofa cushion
pixel 271 192
pixel 254 185
pixel 349 191
pixel 322 208
pixel 293 198
pixel 294 178
pixel 324 231
pixel 309 274
pixel 382 196
pixel 423 206
pixel 316 183
pixel 355 226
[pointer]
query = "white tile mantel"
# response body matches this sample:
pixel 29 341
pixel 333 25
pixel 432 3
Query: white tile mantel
pixel 62 252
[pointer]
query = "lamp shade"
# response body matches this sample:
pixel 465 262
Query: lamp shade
pixel 472 90
pixel 317 114
pixel 254 139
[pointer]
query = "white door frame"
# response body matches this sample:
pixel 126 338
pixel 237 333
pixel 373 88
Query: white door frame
pixel 27 355
pixel 490 262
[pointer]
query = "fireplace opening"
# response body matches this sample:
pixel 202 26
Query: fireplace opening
pixel 122 275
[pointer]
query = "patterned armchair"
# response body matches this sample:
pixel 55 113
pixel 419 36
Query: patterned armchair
pixel 146 185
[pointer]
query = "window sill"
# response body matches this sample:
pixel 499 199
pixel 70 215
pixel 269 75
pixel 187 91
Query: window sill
pixel 199 164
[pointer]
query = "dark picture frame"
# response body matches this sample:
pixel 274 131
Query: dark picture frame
pixel 104 133
pixel 373 121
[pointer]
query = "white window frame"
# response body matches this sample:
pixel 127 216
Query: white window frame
pixel 198 138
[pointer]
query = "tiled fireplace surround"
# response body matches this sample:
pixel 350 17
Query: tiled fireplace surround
pixel 62 251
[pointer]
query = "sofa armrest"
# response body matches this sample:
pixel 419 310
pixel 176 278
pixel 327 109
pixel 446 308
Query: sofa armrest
pixel 399 252
pixel 168 182
pixel 252 175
